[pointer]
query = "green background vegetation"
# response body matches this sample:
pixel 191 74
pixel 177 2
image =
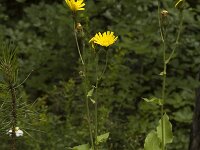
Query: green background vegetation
pixel 42 30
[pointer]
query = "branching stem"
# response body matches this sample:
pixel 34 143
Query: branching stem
pixel 165 62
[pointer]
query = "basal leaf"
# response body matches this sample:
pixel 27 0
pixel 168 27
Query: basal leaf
pixel 152 142
pixel 82 147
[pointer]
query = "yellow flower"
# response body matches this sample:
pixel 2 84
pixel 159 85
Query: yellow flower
pixel 104 39
pixel 75 5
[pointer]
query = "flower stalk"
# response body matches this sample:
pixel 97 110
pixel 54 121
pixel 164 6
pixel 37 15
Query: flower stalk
pixel 96 100
pixel 85 82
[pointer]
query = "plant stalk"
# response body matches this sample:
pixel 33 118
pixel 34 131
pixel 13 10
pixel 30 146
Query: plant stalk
pixel 96 100
pixel 164 75
pixel 85 84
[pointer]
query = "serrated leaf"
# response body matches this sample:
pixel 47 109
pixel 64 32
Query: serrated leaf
pixel 154 100
pixel 102 138
pixel 167 130
pixel 152 142
pixel 82 147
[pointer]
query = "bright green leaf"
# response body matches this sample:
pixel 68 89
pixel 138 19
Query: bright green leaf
pixel 90 93
pixel 82 147
pixel 152 142
pixel 102 138
pixel 167 130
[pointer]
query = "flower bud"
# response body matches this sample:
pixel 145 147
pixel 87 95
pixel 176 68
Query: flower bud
pixel 79 27
pixel 164 18
pixel 164 13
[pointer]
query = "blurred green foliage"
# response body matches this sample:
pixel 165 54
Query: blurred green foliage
pixel 43 33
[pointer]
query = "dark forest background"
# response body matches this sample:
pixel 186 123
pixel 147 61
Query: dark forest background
pixel 42 30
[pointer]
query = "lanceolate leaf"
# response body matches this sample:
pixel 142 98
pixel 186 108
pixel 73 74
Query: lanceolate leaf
pixel 167 130
pixel 152 142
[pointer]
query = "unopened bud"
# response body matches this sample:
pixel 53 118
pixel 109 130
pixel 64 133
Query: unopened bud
pixel 79 27
pixel 164 13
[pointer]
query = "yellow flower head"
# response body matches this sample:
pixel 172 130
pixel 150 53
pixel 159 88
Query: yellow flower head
pixel 75 5
pixel 105 39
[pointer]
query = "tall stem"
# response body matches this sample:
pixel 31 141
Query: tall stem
pixel 85 84
pixel 163 94
pixel 96 100
pixel 89 122
pixel 165 62
pixel 164 75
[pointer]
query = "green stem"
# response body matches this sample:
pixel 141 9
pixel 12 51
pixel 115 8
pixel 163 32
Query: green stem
pixel 164 76
pixel 96 101
pixel 165 62
pixel 87 106
pixel 85 84
pixel 163 94
pixel 89 122
pixel 178 37
pixel 77 44
pixel 105 67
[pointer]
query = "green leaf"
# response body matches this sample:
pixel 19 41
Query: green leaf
pixel 162 73
pixel 102 138
pixel 92 100
pixel 152 142
pixel 154 100
pixel 167 130
pixel 82 147
pixel 90 93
